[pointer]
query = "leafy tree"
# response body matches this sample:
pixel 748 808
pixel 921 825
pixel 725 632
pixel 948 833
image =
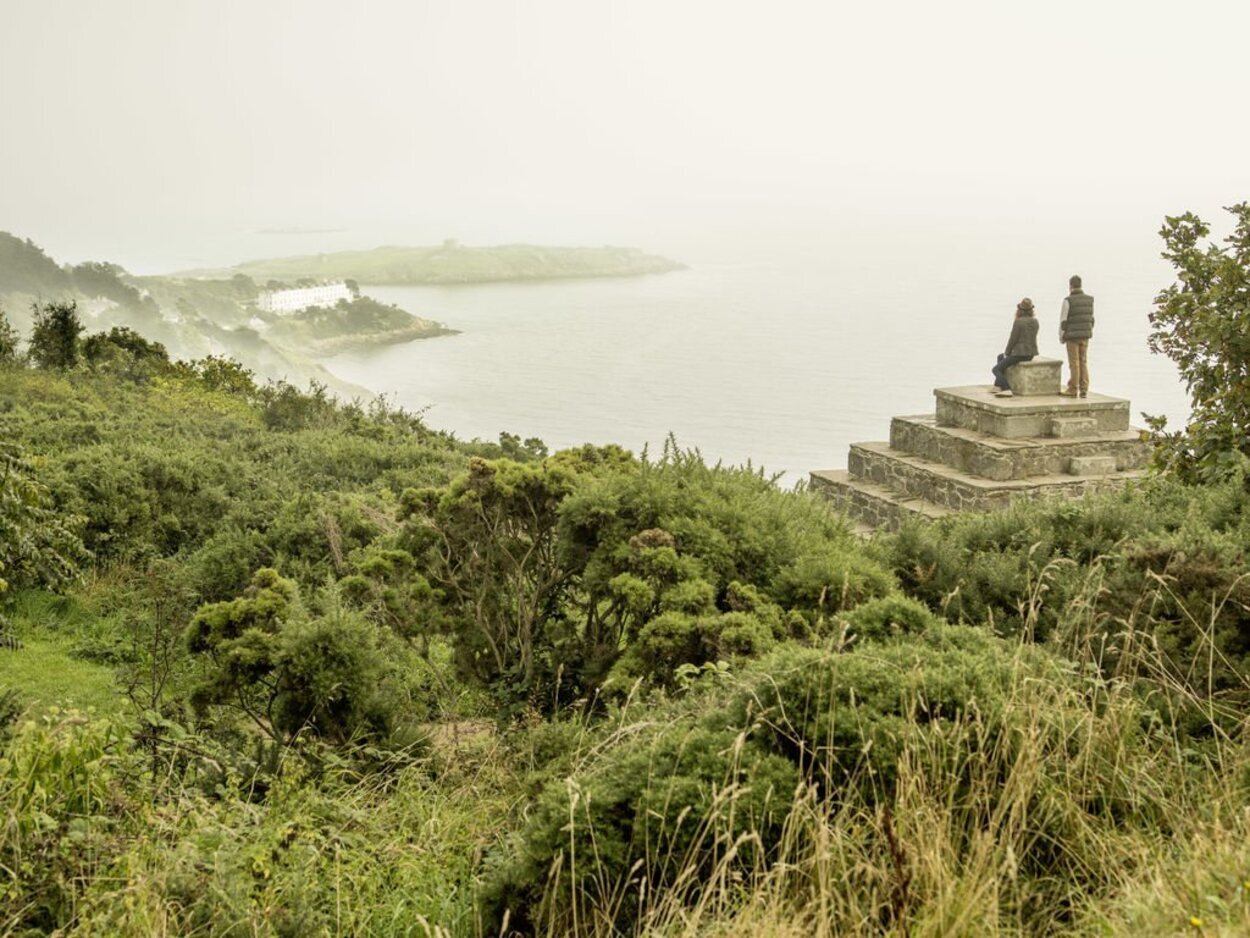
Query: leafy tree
pixel 244 286
pixel 286 407
pixel 160 604
pixel 8 340
pixel 490 540
pixel 123 349
pixel 54 339
pixel 513 447
pixel 1202 323
pixel 225 374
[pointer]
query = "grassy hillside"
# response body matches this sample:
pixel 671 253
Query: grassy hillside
pixel 453 263
pixel 274 665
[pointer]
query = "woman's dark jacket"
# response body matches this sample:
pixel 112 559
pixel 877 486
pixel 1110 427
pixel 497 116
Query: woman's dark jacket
pixel 1023 341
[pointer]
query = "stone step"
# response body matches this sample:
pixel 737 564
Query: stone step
pixel 1091 465
pixel 1014 418
pixel 872 505
pixel 1067 428
pixel 994 458
pixel 957 490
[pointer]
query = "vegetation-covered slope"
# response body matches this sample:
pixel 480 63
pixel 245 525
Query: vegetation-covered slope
pixel 352 677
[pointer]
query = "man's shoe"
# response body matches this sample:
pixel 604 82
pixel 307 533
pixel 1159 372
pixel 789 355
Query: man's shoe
pixel 1067 392
pixel 1084 394
pixel 1006 393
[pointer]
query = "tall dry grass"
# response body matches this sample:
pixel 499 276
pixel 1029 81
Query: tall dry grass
pixel 1094 812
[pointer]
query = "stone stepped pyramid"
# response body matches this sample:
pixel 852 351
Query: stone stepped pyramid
pixel 978 452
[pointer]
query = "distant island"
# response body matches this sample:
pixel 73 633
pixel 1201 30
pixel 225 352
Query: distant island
pixel 450 263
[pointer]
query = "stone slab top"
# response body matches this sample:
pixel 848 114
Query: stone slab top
pixel 979 397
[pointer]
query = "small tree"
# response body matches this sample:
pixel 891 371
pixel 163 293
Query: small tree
pixel 54 339
pixel 490 549
pixel 1202 323
pixel 265 658
pixel 123 350
pixel 8 340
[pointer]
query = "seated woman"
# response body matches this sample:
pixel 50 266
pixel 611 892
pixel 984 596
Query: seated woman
pixel 1021 347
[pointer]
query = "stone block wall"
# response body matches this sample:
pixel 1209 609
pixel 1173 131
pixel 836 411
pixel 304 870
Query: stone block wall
pixel 979 453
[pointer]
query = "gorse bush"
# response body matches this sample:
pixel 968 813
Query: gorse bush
pixel 658 808
pixel 288 672
pixel 83 822
pixel 593 568
pixel 175 466
pixel 1165 565
pixel 888 617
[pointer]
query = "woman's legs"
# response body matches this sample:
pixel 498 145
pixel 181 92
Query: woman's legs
pixel 1000 369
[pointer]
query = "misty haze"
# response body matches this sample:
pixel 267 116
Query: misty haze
pixel 573 467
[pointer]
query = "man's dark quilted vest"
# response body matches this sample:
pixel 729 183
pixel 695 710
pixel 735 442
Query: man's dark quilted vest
pixel 1080 321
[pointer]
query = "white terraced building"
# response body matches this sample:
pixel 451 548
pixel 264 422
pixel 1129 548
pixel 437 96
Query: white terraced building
pixel 293 300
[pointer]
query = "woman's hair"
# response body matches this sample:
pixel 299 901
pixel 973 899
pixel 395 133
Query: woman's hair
pixel 1025 307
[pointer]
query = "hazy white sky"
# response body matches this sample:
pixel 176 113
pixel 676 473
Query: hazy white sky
pixel 171 132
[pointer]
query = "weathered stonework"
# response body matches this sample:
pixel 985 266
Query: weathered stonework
pixel 979 453
pixel 998 459
pixel 1015 418
pixel 1065 428
pixel 1036 377
pixel 872 505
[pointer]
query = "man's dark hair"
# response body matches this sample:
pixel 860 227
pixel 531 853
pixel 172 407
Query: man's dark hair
pixel 1075 281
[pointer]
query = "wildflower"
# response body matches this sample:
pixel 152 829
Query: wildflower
pixel 1195 921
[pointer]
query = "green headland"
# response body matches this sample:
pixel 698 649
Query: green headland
pixel 452 262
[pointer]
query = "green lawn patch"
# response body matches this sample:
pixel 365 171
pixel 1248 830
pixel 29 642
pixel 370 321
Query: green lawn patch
pixel 45 675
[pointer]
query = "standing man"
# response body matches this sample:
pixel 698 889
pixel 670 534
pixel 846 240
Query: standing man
pixel 1076 326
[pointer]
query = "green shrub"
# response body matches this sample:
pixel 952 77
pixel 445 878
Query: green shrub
pixel 664 804
pixel 288 673
pixel 654 811
pixel 828 581
pixel 61 810
pixel 1165 565
pixel 888 617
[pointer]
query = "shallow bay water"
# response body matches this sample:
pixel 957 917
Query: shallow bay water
pixel 782 363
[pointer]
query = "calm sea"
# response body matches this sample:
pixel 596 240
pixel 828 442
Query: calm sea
pixel 781 362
